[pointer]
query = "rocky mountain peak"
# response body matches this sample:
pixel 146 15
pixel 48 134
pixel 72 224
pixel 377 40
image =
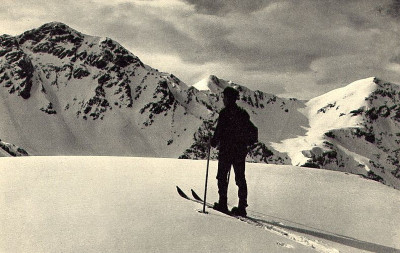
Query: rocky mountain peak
pixel 52 32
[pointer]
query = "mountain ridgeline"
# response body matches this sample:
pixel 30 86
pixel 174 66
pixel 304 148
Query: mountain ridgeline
pixel 66 93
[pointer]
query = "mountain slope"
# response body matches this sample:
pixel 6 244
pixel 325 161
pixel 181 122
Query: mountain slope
pixel 66 93
pixel 124 204
pixel 354 129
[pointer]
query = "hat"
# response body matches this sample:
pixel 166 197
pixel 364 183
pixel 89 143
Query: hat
pixel 231 92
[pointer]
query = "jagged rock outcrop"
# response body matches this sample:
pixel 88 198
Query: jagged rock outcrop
pixel 8 149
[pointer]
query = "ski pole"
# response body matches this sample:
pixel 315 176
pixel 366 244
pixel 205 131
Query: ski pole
pixel 205 187
pixel 229 176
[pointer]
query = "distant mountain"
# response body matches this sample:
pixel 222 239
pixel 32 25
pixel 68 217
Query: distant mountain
pixel 353 129
pixel 67 93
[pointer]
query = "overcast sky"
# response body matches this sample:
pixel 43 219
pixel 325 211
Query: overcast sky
pixel 297 48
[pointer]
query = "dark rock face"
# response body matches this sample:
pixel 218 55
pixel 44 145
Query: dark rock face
pixel 77 55
pixel 12 150
pixel 16 72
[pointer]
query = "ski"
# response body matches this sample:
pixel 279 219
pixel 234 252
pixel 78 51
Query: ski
pixel 247 219
pixel 195 197
pixel 194 194
pixel 181 193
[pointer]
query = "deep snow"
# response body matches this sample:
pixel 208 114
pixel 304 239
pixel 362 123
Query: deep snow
pixel 122 204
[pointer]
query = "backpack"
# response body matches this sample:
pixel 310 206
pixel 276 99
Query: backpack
pixel 251 133
pixel 247 132
pixel 237 129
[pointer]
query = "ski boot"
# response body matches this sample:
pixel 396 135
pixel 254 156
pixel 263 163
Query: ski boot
pixel 239 211
pixel 221 207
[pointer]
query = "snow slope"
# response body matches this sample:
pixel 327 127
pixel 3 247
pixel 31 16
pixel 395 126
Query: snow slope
pixel 66 93
pixel 122 204
pixel 355 129
pixel 328 112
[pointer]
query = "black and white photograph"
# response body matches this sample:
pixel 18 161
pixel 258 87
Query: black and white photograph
pixel 199 126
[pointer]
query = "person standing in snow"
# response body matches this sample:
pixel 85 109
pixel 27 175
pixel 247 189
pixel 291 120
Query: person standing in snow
pixel 230 138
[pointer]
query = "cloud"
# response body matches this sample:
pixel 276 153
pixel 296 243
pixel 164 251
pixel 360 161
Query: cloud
pixel 391 8
pixel 286 37
pixel 223 7
pixel 22 15
pixel 290 46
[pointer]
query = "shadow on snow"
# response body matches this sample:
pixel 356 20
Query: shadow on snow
pixel 345 240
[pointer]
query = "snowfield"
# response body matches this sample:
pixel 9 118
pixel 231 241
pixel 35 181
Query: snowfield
pixel 125 204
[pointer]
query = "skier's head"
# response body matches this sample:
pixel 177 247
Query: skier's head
pixel 230 96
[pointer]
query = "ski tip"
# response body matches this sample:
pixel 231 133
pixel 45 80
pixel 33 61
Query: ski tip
pixel 181 193
pixel 196 196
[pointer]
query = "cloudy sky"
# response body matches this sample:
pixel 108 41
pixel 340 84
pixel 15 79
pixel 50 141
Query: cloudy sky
pixel 297 48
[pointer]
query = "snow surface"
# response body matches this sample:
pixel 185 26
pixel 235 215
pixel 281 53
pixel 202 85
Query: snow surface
pixel 124 204
pixel 202 84
pixel 212 84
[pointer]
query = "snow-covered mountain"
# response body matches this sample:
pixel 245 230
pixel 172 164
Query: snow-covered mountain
pixel 67 93
pixel 353 129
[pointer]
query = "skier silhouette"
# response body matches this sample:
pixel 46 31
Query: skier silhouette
pixel 231 139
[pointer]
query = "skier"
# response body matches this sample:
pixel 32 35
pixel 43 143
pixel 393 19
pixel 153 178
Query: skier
pixel 231 140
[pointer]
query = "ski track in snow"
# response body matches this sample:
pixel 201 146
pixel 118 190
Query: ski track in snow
pixel 285 245
pixel 258 222
pixel 315 244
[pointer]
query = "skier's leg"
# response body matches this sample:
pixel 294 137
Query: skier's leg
pixel 222 177
pixel 239 168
